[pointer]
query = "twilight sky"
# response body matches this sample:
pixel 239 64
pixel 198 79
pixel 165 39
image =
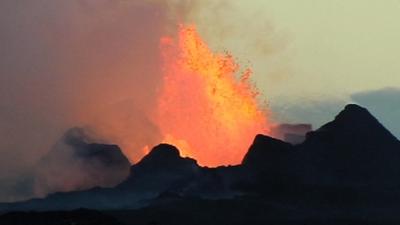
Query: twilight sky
pixel 310 57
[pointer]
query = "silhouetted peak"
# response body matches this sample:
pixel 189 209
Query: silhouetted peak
pixel 159 169
pixel 164 155
pixel 263 148
pixel 357 120
pixel 355 113
pixel 353 124
pixel 265 140
pixel 354 107
pixel 164 152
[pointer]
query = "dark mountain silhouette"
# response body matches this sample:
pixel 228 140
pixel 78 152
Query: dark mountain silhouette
pixel 271 162
pixel 161 169
pixel 263 149
pixel 354 150
pixel 350 159
pixel 345 172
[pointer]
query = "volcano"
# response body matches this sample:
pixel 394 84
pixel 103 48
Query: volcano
pixel 347 170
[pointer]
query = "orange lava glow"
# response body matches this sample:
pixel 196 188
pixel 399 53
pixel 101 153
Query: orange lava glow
pixel 207 107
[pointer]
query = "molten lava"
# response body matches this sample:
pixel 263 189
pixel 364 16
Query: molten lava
pixel 207 107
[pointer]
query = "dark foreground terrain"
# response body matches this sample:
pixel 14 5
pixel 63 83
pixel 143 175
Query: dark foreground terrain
pixel 345 173
pixel 200 212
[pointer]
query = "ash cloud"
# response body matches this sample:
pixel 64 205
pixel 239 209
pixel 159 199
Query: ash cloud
pixel 77 63
pixel 76 162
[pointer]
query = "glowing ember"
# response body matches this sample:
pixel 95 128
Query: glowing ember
pixel 204 108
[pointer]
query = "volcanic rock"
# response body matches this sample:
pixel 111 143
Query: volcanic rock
pixel 268 164
pixel 349 162
pixel 265 148
pixel 160 170
pixel 354 150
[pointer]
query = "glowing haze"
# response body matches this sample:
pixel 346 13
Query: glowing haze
pixel 207 106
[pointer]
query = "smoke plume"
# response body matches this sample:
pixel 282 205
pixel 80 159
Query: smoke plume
pixel 77 63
